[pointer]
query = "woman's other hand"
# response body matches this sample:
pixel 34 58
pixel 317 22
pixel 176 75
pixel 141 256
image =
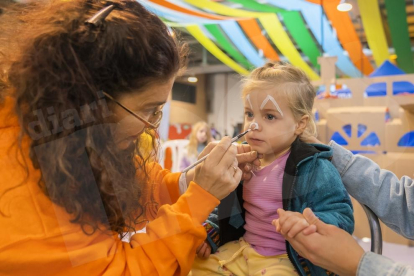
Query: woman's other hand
pixel 329 247
pixel 248 160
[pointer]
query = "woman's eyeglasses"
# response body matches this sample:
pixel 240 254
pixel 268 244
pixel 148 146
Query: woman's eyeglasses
pixel 152 123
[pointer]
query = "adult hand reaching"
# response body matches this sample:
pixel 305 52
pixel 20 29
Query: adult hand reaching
pixel 325 245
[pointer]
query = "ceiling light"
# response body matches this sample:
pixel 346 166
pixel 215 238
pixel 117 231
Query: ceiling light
pixel 344 7
pixel 192 79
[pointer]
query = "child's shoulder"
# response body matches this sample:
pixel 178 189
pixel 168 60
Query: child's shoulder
pixel 302 152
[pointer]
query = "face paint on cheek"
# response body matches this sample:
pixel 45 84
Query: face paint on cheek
pixel 270 98
pixel 250 103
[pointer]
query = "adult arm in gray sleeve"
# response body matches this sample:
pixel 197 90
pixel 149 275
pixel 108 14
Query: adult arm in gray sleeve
pixel 373 264
pixel 390 198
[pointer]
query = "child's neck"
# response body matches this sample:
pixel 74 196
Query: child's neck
pixel 269 158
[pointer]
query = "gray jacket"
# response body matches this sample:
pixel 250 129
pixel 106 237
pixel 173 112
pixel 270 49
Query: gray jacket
pixel 390 198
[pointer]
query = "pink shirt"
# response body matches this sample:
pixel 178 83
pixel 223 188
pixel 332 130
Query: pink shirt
pixel 262 197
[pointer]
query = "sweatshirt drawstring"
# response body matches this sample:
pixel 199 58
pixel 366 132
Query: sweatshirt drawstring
pixel 235 255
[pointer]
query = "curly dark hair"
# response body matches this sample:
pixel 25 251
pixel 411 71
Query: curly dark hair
pixel 62 66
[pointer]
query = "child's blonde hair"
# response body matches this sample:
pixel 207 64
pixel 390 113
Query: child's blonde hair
pixel 192 145
pixel 298 89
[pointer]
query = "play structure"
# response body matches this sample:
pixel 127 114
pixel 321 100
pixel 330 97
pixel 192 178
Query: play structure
pixel 373 116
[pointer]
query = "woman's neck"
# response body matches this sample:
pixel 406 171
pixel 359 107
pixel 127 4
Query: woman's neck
pixel 269 158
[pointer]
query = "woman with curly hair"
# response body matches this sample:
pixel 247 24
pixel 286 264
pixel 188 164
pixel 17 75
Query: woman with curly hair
pixel 88 78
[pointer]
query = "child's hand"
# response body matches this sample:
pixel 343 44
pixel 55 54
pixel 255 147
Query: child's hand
pixel 289 223
pixel 203 251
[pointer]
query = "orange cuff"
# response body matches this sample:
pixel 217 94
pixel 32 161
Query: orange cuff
pixel 196 202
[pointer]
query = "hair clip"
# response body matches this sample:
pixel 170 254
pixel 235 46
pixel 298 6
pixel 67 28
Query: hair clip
pixel 100 16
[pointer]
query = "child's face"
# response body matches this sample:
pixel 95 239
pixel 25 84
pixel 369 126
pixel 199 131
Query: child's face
pixel 202 135
pixel 277 125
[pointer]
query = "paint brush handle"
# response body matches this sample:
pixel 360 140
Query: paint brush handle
pixel 204 158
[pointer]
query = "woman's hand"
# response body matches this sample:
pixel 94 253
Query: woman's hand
pixel 219 173
pixel 248 160
pixel 327 246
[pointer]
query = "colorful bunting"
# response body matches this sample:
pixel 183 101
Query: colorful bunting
pixel 244 33
pixel 294 24
pixel 270 23
pixel 223 42
pixel 236 35
pixel 198 34
pixel 347 35
pixel 374 30
pixel 252 29
pixel 330 44
pixel 397 20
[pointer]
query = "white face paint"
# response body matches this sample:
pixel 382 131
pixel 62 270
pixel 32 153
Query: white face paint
pixel 248 99
pixel 254 126
pixel 270 98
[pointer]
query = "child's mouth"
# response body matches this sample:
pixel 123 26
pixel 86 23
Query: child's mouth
pixel 255 141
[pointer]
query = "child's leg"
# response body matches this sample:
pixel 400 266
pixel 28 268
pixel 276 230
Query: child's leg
pixel 228 260
pixel 270 266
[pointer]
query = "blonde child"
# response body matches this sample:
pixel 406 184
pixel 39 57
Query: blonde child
pixel 293 176
pixel 199 138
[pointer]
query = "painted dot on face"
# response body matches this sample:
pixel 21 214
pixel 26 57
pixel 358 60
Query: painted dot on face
pixel 254 126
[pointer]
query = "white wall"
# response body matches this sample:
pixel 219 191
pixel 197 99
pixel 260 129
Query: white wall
pixel 226 107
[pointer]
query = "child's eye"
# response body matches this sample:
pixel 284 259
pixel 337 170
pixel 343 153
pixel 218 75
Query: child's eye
pixel 270 117
pixel 249 114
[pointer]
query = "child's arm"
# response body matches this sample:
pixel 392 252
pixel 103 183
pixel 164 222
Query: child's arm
pixel 327 198
pixel 211 244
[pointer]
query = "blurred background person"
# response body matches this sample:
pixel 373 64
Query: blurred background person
pixel 199 138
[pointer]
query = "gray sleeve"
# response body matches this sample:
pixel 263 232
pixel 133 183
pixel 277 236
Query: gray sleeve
pixel 390 198
pixel 373 264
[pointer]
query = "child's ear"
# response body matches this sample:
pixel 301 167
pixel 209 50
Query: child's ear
pixel 301 125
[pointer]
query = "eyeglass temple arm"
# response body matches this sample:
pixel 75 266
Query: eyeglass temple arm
pixel 129 111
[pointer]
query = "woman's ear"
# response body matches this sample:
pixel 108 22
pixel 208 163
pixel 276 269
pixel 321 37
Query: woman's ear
pixel 301 125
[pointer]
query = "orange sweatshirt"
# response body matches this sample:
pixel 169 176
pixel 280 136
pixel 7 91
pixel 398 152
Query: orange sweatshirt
pixel 37 237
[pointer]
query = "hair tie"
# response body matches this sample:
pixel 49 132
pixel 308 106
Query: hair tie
pixel 97 19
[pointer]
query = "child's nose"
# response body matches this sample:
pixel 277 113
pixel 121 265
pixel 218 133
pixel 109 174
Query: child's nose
pixel 254 126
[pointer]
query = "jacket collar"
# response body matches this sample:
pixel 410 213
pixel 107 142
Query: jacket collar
pixel 300 152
